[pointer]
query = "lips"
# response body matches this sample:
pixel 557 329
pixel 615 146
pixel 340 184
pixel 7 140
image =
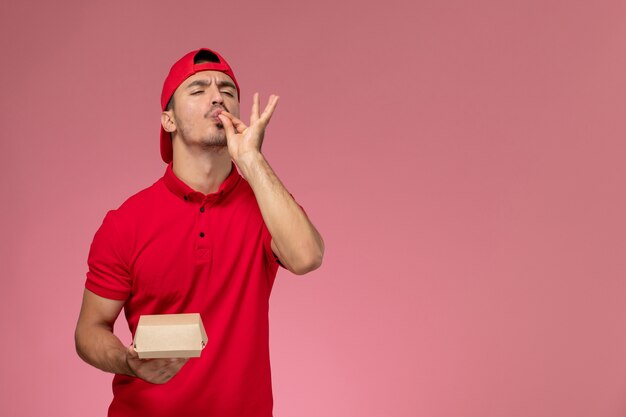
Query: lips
pixel 212 115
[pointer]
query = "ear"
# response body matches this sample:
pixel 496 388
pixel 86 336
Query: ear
pixel 167 121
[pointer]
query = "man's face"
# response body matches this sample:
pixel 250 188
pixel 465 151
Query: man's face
pixel 197 102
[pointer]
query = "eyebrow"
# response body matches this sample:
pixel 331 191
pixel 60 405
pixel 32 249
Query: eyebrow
pixel 198 83
pixel 204 83
pixel 224 83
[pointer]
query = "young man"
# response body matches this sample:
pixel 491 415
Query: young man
pixel 204 239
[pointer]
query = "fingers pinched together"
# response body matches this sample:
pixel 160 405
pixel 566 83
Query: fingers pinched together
pixel 242 138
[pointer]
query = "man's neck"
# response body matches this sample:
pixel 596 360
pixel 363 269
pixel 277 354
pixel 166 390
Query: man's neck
pixel 204 173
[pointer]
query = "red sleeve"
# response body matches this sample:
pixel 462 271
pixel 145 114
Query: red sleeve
pixel 108 274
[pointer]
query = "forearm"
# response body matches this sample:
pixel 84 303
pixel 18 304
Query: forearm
pixel 99 347
pixel 298 242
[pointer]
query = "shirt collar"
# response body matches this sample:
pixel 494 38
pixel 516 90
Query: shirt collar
pixel 182 190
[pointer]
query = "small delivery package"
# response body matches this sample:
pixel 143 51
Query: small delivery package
pixel 170 336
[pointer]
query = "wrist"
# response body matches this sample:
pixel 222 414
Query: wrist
pixel 129 370
pixel 248 162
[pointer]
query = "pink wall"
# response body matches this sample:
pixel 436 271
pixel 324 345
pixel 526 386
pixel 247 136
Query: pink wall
pixel 464 161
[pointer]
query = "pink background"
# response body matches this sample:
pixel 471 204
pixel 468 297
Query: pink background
pixel 463 160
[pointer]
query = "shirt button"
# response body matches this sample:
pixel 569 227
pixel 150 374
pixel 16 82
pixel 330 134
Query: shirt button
pixel 186 198
pixel 201 209
pixel 201 234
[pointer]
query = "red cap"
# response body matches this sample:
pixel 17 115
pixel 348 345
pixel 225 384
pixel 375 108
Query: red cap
pixel 180 71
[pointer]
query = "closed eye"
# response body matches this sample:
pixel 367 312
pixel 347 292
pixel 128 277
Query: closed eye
pixel 195 93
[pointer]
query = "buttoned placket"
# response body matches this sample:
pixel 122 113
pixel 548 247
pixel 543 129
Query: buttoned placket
pixel 202 207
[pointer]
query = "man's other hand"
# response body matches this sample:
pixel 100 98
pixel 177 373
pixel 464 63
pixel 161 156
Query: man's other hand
pixel 155 371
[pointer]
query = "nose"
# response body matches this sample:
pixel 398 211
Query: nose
pixel 216 96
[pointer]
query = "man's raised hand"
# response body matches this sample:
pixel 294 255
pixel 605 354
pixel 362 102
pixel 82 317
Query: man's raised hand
pixel 247 140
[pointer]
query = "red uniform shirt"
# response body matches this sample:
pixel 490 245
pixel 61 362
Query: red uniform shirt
pixel 169 249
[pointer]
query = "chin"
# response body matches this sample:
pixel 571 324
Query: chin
pixel 215 142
